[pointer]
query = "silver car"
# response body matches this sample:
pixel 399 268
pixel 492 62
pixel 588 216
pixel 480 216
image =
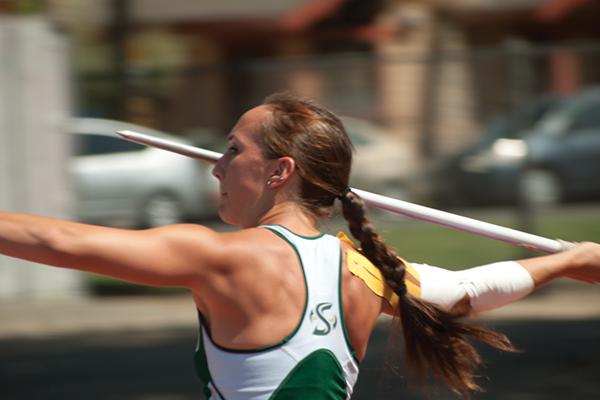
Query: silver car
pixel 122 183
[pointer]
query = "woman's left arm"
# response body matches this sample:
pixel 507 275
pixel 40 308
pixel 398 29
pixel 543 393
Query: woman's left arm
pixel 176 255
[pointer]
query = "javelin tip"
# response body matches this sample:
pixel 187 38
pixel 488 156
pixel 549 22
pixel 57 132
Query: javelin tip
pixel 124 133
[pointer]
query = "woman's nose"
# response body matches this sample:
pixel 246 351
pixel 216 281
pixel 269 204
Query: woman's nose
pixel 217 169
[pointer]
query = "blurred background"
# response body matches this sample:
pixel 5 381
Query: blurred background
pixel 485 108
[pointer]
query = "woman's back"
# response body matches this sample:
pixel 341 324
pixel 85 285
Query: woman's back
pixel 307 352
pixel 259 299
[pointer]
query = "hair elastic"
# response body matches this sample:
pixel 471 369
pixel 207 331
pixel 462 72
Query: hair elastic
pixel 344 193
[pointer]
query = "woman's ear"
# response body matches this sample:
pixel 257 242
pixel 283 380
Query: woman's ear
pixel 283 169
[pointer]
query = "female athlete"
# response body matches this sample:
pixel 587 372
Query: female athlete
pixel 286 311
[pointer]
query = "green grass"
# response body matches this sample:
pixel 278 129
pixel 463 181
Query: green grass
pixel 445 247
pixel 104 286
pixel 432 244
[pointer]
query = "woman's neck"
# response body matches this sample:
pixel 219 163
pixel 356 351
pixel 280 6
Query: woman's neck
pixel 292 216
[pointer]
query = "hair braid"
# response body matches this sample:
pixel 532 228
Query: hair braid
pixel 435 341
pixel 372 244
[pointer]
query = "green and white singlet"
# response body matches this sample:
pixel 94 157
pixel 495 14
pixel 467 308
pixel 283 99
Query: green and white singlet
pixel 315 361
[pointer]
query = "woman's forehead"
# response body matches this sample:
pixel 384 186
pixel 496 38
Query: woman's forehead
pixel 247 126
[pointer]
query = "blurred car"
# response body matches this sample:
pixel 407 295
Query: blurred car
pixel 484 172
pixel 557 159
pixel 562 160
pixel 382 163
pixel 125 183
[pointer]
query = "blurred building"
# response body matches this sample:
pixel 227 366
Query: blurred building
pixel 463 61
pixel 551 46
pixel 185 63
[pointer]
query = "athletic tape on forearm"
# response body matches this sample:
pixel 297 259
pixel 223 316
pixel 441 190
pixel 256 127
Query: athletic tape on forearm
pixel 488 287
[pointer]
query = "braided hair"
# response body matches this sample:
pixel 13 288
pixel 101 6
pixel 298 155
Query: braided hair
pixel 435 341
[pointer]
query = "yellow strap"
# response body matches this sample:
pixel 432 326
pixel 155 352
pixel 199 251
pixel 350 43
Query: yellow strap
pixel 361 267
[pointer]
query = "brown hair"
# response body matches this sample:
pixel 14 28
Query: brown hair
pixel 435 342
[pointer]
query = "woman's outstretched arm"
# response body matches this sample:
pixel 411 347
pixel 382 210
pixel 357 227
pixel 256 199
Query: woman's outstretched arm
pixel 495 285
pixel 581 263
pixel 177 255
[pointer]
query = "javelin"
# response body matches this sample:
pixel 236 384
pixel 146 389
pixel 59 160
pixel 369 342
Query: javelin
pixel 395 206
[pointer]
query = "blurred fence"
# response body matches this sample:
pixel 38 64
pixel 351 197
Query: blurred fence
pixel 433 100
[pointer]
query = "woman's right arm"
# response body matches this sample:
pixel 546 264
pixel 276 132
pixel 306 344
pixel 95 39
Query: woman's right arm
pixel 176 255
pixel 581 263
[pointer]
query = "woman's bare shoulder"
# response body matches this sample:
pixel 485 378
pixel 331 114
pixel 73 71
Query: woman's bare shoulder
pixel 253 244
pixel 223 249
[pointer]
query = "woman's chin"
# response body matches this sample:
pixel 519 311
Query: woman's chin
pixel 227 218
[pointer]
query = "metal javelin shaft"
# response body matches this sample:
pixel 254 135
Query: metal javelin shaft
pixel 169 145
pixel 396 206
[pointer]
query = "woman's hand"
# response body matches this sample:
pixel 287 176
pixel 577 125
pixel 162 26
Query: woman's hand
pixel 586 263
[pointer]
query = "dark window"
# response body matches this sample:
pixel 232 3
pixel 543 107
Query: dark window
pixel 86 145
pixel 587 116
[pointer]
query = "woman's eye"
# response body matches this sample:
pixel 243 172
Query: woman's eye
pixel 232 149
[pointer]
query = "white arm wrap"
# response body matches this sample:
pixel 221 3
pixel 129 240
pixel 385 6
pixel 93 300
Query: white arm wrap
pixel 488 287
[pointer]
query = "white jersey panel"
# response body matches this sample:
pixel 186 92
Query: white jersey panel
pixel 257 374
